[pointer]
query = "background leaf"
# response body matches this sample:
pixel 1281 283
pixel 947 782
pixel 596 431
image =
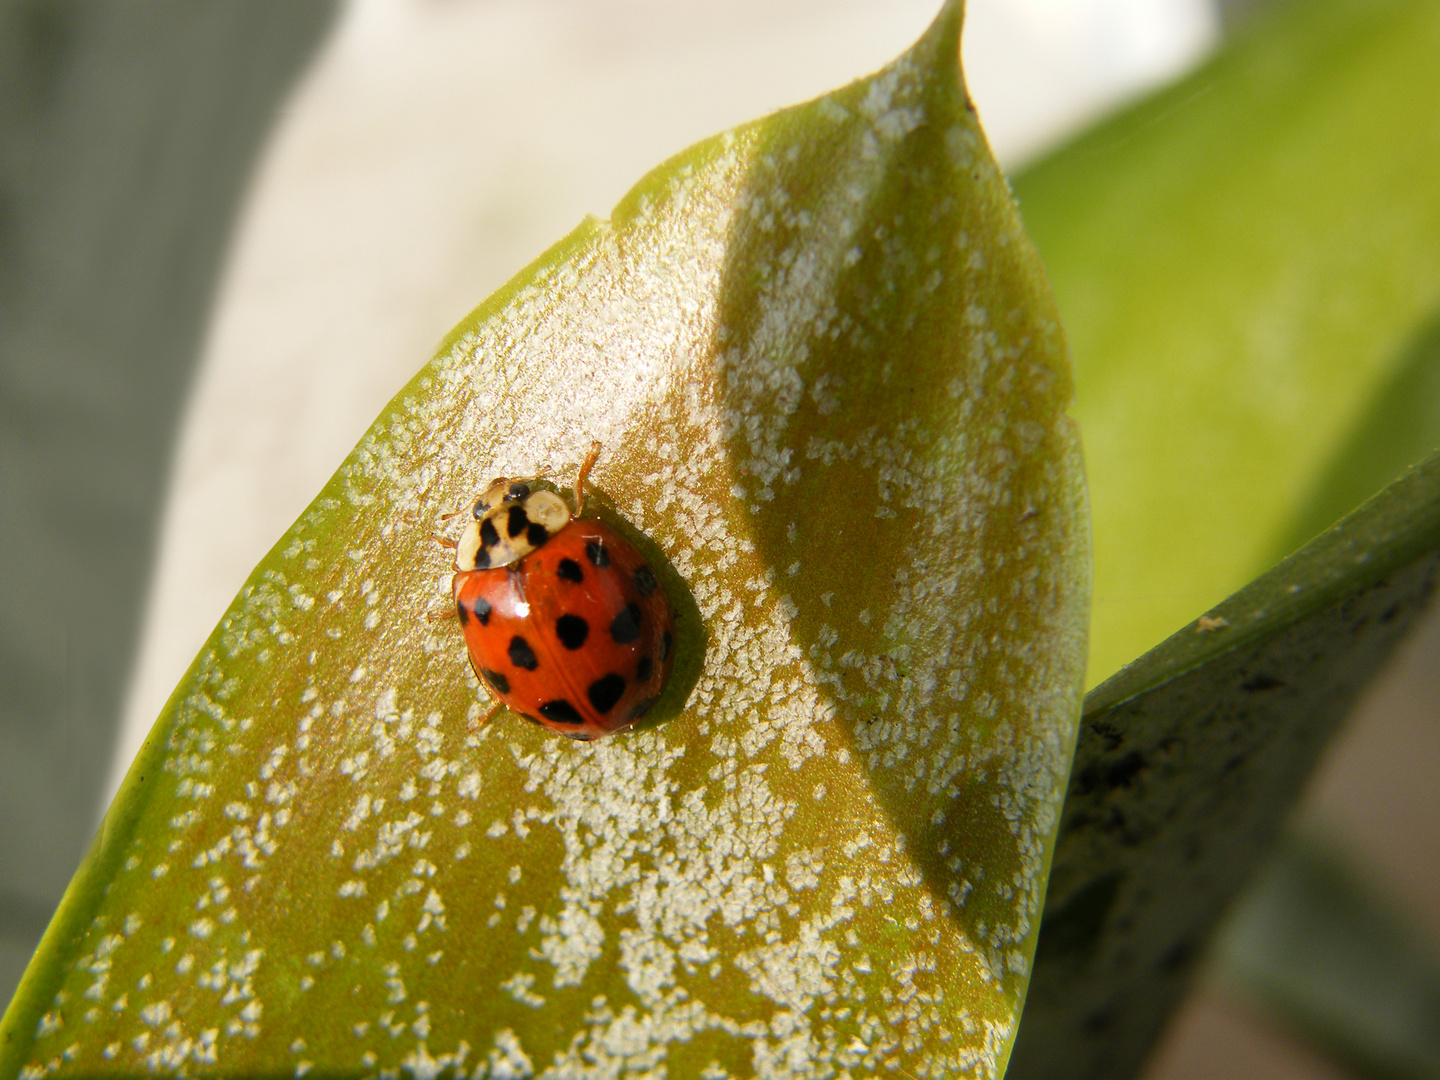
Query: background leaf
pixel 1187 763
pixel 1248 264
pixel 831 385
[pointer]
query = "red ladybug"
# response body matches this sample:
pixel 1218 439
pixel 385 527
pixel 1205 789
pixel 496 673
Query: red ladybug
pixel 566 623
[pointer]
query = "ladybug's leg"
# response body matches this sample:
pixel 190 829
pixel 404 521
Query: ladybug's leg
pixel 470 506
pixel 585 468
pixel 445 542
pixel 475 725
pixel 495 704
pixel 446 611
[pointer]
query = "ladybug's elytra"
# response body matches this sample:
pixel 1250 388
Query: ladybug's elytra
pixel 565 621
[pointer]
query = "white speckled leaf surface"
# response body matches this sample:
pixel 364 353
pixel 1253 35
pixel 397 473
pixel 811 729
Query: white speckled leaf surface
pixel 831 387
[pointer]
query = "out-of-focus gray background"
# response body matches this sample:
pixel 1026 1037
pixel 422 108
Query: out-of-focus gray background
pixel 235 229
pixel 128 134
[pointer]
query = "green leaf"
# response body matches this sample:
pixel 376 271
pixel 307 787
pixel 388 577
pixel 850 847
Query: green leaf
pixel 1400 427
pixel 1187 762
pixel 1244 263
pixel 1248 269
pixel 1314 943
pixel 831 387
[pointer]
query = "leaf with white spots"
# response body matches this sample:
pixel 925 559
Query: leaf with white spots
pixel 831 387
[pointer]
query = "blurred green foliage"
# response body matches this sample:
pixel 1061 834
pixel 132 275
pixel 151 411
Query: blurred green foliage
pixel 1248 265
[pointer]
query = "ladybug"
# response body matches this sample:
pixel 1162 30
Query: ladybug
pixel 565 622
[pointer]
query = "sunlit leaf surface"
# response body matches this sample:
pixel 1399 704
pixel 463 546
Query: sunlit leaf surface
pixel 831 388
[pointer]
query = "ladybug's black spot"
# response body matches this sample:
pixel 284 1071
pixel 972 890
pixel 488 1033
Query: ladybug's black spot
pixel 482 609
pixel 521 655
pixel 488 536
pixel 596 553
pixel 605 691
pixel 641 709
pixel 464 613
pixel 625 627
pixel 482 559
pixel 570 570
pixel 495 679
pixel 572 631
pixel 643 669
pixel 562 712
pixel 645 580
pixel 536 534
pixel 664 646
pixel 516 522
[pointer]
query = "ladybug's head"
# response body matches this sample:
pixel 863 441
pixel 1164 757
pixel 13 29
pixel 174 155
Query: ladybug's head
pixel 510 522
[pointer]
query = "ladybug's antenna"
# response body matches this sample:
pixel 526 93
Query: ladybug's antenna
pixel 585 468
